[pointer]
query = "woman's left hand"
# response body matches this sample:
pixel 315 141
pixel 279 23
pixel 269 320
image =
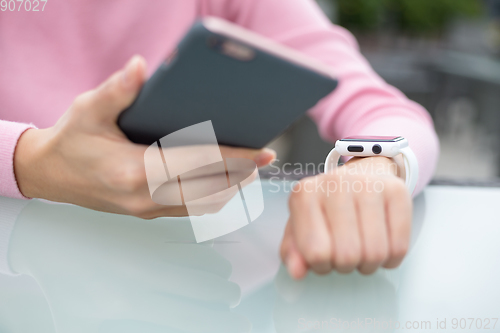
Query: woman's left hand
pixel 357 217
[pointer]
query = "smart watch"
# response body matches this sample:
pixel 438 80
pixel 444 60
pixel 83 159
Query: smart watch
pixel 387 146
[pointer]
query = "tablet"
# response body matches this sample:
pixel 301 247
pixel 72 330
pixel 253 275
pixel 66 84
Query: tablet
pixel 250 87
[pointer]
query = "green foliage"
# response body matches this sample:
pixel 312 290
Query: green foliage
pixel 359 14
pixel 413 16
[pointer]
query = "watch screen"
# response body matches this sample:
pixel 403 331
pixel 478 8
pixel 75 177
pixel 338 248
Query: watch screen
pixel 373 138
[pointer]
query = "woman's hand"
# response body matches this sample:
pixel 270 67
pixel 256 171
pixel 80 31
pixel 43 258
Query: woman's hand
pixel 86 160
pixel 358 217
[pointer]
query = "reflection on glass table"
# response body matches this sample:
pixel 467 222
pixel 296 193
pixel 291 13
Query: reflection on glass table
pixel 85 271
pixel 108 273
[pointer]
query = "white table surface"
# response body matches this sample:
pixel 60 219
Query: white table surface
pixel 96 272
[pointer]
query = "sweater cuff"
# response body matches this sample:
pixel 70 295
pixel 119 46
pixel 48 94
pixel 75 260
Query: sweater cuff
pixel 9 135
pixel 9 211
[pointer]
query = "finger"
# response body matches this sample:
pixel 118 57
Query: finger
pixel 291 257
pixel 399 215
pixel 296 264
pixel 346 242
pixel 195 158
pixel 234 171
pixel 285 243
pixel 261 157
pixel 117 93
pixel 371 217
pixel 309 229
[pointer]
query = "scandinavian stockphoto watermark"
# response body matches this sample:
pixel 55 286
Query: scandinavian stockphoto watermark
pixel 186 168
pixel 354 179
pixel 23 5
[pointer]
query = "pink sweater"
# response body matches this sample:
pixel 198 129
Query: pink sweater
pixel 48 58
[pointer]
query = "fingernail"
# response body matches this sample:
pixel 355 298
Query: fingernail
pixel 128 71
pixel 265 157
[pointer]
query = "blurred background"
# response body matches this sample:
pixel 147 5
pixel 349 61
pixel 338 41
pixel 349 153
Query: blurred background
pixel 444 54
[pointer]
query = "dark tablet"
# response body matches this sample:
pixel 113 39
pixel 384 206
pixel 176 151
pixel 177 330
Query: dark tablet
pixel 249 86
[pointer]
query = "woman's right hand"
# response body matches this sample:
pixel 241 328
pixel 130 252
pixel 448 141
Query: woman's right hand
pixel 86 160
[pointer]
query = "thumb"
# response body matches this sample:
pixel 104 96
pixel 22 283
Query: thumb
pixel 117 92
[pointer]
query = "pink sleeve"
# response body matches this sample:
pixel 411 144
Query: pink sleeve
pixel 9 135
pixel 363 104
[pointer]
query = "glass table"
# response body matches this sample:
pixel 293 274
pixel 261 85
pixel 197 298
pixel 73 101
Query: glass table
pixel 86 271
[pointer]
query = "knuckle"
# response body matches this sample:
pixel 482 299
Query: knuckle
pixel 110 87
pixel 359 177
pixel 347 257
pixel 316 257
pixel 362 184
pixel 106 93
pixel 395 187
pixel 376 255
pixel 370 199
pixel 129 178
pixel 399 251
pixel 83 101
pixel 368 270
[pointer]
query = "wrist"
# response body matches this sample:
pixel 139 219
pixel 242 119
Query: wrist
pixel 29 153
pixel 377 165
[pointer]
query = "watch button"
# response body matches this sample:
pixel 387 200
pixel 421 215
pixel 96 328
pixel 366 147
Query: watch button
pixel 355 149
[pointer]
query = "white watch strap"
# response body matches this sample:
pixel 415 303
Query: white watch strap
pixel 411 168
pixel 332 160
pixel 410 160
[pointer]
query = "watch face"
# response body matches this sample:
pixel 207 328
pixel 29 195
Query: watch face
pixel 373 138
